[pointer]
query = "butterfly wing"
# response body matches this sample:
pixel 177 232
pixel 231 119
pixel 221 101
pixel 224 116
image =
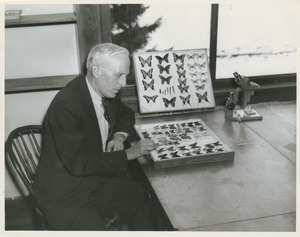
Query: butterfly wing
pixel 145 85
pixel 167 69
pixel 166 102
pixel 165 79
pixel 153 98
pixel 179 66
pixel 143 61
pixel 161 59
pixel 199 97
pixel 147 98
pixel 172 101
pixel 182 82
pixel 149 60
pixel 181 74
pixel 165 58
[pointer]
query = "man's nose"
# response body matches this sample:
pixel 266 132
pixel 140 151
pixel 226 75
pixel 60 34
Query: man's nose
pixel 123 81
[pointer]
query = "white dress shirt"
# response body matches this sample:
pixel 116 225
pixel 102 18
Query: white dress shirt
pixel 99 108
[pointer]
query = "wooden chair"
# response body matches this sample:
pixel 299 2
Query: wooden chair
pixel 24 149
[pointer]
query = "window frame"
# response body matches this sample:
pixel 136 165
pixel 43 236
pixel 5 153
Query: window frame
pixel 99 15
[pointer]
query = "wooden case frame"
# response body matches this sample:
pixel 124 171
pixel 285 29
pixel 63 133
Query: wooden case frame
pixel 173 80
pixel 192 141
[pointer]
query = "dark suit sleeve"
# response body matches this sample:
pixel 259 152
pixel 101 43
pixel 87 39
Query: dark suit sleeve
pixel 70 140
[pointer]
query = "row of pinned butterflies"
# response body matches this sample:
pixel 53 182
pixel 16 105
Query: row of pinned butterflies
pixel 186 100
pixel 199 84
pixel 193 149
pixel 176 58
pixel 167 79
pixel 180 71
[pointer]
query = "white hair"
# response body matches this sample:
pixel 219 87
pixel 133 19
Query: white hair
pixel 100 51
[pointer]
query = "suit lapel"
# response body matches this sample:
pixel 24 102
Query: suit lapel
pixel 89 106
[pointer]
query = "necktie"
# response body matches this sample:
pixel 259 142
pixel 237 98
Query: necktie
pixel 103 124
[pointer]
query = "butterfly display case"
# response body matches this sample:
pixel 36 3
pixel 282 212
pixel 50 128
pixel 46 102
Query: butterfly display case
pixel 173 80
pixel 177 80
pixel 183 142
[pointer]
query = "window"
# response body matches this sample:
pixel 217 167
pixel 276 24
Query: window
pixel 256 39
pixel 38 51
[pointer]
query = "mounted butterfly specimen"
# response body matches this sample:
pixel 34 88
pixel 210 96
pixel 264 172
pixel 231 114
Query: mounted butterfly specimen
pixel 146 135
pixel 202 66
pixel 174 154
pixel 165 79
pixel 202 74
pixel 163 156
pixel 181 74
pixel 178 57
pixel 195 56
pixel 174 138
pixel 194 145
pixel 148 85
pixel 185 136
pixel 217 143
pixel 188 130
pixel 145 74
pixel 179 66
pixel 161 150
pixel 173 143
pixel 182 82
pixel 192 67
pixel 162 69
pixel 185 100
pixel 156 127
pixel 171 148
pixel 150 98
pixel 190 124
pixel 172 126
pixel 146 61
pixel 196 81
pixel 198 152
pixel 183 88
pixel 161 59
pixel 209 146
pixel 194 74
pixel 182 148
pixel 202 97
pixel 197 123
pixel 157 133
pixel 202 87
pixel 169 102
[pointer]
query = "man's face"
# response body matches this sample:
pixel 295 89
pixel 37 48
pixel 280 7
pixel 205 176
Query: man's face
pixel 112 76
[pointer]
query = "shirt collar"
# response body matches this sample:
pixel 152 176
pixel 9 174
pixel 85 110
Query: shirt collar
pixel 96 98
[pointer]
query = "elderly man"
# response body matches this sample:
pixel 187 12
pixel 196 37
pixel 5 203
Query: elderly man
pixel 78 181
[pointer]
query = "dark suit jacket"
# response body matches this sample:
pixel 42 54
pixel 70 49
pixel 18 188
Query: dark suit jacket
pixel 72 157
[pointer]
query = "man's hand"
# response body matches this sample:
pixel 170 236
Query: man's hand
pixel 116 144
pixel 142 147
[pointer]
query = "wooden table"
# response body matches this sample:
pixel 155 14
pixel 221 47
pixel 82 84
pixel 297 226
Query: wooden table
pixel 255 192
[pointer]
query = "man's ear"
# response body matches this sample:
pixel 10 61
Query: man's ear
pixel 96 71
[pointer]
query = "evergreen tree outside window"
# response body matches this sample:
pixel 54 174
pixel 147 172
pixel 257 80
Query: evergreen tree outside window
pixel 159 27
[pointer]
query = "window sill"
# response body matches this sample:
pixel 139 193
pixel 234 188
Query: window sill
pixel 38 20
pixel 37 84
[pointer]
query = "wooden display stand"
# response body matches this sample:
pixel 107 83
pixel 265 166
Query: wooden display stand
pixel 177 80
